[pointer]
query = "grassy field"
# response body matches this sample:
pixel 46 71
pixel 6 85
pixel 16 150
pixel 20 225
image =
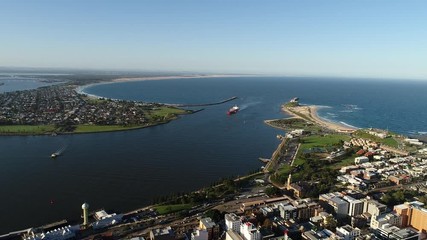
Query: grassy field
pixel 102 128
pixel 166 209
pixel 165 112
pixel 390 141
pixel 322 141
pixel 316 141
pixel 27 129
pixel 294 123
pixel 160 115
pixel 349 160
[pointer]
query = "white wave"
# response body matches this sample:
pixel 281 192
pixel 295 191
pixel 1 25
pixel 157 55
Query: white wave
pixel 61 150
pixel 351 107
pixel 322 106
pixel 348 125
pixel 422 133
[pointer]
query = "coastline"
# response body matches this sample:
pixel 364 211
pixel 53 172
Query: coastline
pixel 310 113
pixel 81 89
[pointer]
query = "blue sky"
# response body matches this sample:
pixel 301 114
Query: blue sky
pixel 371 38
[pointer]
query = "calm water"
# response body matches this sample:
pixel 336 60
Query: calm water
pixel 125 170
pixel 18 83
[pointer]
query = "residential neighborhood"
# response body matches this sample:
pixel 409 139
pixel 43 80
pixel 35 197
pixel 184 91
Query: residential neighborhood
pixel 63 106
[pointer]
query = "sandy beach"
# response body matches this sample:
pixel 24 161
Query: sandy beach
pixel 176 77
pixel 81 89
pixel 310 113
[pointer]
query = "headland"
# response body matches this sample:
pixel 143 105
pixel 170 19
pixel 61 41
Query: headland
pixel 310 113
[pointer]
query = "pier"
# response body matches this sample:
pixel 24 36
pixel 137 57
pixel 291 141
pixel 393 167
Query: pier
pixel 201 104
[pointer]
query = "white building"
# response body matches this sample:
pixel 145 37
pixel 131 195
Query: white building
pixel 200 235
pixel 360 160
pixel 232 222
pixel 249 231
pixel 389 218
pixel 373 207
pixel 348 232
pixel 64 233
pixel 355 206
pixel 107 221
pixel 287 212
pixel 336 202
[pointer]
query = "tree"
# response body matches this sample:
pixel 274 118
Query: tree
pixel 330 223
pixel 267 224
pixel 272 191
pixel 215 215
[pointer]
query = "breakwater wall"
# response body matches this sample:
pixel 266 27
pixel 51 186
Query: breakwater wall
pixel 201 104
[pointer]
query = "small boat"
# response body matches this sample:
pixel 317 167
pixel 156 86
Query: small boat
pixel 233 110
pixel 54 155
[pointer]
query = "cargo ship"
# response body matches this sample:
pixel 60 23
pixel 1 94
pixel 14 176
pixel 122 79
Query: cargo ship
pixel 233 110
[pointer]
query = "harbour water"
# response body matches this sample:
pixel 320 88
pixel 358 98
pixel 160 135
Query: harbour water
pixel 125 170
pixel 19 83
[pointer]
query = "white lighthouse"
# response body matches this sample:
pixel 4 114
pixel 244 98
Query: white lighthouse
pixel 85 208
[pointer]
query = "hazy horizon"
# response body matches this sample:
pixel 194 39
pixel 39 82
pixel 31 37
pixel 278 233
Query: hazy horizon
pixel 369 39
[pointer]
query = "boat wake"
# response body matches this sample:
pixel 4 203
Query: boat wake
pixel 59 152
pixel 247 105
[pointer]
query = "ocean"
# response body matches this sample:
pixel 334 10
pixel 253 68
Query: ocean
pixel 126 170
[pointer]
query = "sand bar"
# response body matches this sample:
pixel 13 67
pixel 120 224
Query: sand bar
pixel 309 113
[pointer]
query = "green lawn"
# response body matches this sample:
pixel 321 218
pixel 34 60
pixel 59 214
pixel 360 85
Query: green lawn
pixel 295 123
pixel 319 141
pixel 102 128
pixel 349 160
pixel 322 141
pixel 165 113
pixel 315 141
pixel 27 129
pixel 166 209
pixel 390 141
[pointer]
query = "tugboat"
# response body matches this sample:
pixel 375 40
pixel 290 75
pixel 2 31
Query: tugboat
pixel 233 110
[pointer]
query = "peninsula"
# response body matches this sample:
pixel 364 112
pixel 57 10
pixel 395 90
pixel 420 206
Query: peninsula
pixel 60 109
pixel 309 113
pixel 66 108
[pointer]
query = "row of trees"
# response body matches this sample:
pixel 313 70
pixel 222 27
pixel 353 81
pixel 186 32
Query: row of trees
pixel 400 196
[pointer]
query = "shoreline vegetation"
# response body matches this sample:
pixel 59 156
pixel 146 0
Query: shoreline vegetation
pixel 33 130
pixel 157 116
